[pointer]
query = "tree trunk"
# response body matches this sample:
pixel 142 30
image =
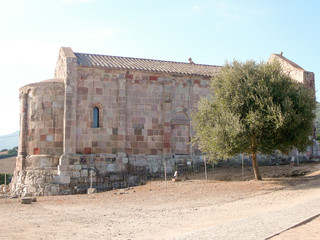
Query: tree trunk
pixel 256 171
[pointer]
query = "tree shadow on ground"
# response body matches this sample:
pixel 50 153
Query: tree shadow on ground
pixel 297 183
pixel 290 176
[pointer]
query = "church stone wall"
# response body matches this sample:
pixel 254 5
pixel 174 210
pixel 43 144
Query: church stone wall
pixel 141 113
pixel 295 71
pixel 309 79
pixel 43 111
pixel 41 136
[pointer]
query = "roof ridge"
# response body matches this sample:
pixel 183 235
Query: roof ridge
pixel 148 59
pixel 293 64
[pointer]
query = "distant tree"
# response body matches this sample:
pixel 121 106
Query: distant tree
pixel 10 153
pixel 254 108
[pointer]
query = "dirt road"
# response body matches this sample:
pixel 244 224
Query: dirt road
pixel 193 209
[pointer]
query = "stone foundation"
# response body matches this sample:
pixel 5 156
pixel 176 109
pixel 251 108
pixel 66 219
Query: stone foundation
pixel 75 173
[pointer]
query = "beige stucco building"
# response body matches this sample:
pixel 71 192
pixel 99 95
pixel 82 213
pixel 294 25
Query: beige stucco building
pixel 112 117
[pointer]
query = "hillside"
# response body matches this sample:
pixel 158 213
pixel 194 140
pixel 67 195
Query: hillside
pixel 9 141
pixel 7 165
pixel 7 160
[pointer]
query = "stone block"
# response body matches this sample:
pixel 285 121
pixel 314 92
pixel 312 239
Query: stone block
pixel 36 151
pixel 45 162
pixel 71 167
pixel 29 180
pixel 56 179
pixel 204 83
pixel 133 180
pixel 76 174
pixel 64 160
pixel 54 189
pixel 125 160
pixel 84 173
pixel 49 138
pixel 40 181
pixel 31 189
pixel 63 167
pixel 77 167
pixel 84 166
pixel 122 155
pixel 57 105
pixel 111 167
pixel 26 200
pixel 64 178
pixel 163 79
pixel 116 177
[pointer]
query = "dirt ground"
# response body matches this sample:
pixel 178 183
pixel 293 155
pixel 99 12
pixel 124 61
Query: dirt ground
pixel 227 206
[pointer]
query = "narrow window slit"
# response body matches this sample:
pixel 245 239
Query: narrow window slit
pixel 95 117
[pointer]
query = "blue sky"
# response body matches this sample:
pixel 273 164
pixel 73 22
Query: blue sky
pixel 211 32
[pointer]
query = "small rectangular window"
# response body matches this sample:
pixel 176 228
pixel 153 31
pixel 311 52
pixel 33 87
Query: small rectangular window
pixel 95 123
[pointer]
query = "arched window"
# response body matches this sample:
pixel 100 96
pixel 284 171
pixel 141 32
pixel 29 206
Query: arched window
pixel 95 123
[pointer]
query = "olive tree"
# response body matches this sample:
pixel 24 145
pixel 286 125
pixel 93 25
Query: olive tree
pixel 254 108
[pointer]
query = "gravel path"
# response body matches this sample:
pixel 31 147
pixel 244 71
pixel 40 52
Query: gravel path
pixel 263 216
pixel 193 209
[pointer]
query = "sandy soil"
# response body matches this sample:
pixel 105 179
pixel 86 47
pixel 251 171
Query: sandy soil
pixel 227 206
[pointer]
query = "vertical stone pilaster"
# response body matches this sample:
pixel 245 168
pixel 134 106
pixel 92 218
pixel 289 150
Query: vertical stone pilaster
pixel 22 148
pixel 23 124
pixel 122 113
pixel 166 119
pixel 191 153
pixel 67 69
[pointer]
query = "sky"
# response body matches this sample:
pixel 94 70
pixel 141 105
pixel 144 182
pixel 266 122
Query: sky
pixel 210 32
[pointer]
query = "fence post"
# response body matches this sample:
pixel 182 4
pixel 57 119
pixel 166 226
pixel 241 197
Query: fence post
pixel 205 169
pixel 242 162
pixel 91 179
pixel 165 171
pixel 5 187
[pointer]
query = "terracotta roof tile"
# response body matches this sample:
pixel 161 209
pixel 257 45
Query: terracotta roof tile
pixel 114 62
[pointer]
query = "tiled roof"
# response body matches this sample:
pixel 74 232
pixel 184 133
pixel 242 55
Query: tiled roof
pixel 113 62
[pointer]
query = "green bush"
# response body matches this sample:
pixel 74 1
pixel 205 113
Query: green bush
pixel 11 153
pixel 8 177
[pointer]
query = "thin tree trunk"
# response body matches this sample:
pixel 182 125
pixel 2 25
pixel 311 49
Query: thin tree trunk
pixel 256 171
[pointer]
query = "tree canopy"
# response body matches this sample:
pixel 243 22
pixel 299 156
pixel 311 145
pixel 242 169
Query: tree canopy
pixel 254 108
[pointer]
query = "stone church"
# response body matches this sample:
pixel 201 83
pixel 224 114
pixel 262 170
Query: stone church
pixel 103 117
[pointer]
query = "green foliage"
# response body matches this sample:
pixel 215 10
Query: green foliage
pixel 3 150
pixel 11 153
pixel 254 108
pixel 8 177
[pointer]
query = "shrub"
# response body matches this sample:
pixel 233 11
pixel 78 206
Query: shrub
pixel 11 153
pixel 8 177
